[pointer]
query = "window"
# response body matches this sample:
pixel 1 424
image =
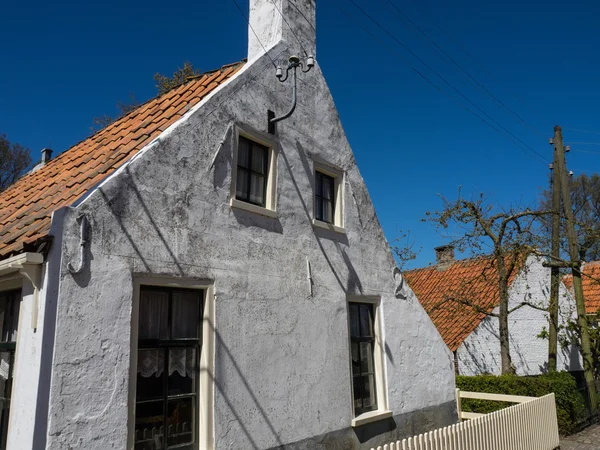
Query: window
pixel 362 339
pixel 328 198
pixel 9 318
pixel 369 399
pixel 324 197
pixel 169 344
pixel 252 172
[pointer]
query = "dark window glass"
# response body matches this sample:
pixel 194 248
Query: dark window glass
pixel 9 316
pixel 362 342
pixel 169 344
pixel 324 197
pixel 252 172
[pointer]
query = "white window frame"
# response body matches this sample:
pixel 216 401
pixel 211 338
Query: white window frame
pixel 382 411
pixel 270 209
pixel 338 190
pixel 206 407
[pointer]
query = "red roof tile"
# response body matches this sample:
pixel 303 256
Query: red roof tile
pixel 27 205
pixel 440 291
pixel 590 280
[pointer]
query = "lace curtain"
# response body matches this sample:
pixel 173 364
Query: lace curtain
pixel 151 362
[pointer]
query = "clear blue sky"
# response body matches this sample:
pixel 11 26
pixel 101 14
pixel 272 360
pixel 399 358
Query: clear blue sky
pixel 65 62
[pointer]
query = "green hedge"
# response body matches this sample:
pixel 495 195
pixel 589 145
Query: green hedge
pixel 570 406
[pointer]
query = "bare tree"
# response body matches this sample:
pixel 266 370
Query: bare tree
pixel 505 235
pixel 180 76
pixel 124 108
pixel 14 159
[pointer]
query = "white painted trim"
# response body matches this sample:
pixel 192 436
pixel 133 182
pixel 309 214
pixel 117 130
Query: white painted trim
pixel 268 141
pixel 328 226
pixel 16 263
pixel 371 416
pixel 338 178
pixel 382 411
pixel 235 203
pixel 206 383
pixel 29 265
pixel 10 283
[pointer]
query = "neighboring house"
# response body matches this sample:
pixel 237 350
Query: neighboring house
pixel 590 280
pixel 457 294
pixel 191 277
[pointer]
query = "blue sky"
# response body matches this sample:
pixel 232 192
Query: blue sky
pixel 66 62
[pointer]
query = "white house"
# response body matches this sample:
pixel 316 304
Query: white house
pixel 197 275
pixel 458 294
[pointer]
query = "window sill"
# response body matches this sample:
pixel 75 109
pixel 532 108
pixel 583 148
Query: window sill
pixel 235 203
pixel 371 416
pixel 328 226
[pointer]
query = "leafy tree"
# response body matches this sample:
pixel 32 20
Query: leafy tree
pixel 14 159
pixel 180 76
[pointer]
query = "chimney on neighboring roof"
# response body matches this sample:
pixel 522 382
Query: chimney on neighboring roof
pixel 46 155
pixel 272 21
pixel 444 255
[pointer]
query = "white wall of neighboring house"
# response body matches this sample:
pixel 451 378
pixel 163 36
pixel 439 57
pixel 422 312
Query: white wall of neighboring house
pixel 480 351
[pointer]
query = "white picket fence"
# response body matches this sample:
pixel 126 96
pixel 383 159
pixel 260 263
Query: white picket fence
pixel 529 425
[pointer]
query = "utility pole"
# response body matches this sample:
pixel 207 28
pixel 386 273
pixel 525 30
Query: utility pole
pixel 586 353
pixel 555 271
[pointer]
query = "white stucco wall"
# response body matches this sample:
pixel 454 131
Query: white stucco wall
pixel 480 352
pixel 282 369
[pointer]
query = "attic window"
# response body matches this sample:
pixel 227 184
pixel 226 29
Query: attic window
pixel 254 175
pixel 328 197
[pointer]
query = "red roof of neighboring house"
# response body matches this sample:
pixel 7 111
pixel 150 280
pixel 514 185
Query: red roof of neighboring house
pixel 441 288
pixel 590 280
pixel 28 204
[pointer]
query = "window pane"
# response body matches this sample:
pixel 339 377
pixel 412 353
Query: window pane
pixel 357 388
pixel 366 357
pixel 318 208
pixel 366 321
pixel 185 318
pixel 15 307
pixel 259 159
pixel 180 421
pixel 9 315
pixel 319 184
pixel 369 402
pixel 241 185
pixel 244 153
pixel 149 429
pixel 327 187
pixel 154 315
pixel 150 380
pixel 355 359
pixel 183 369
pixel 354 329
pixel 327 211
pixel 257 189
pixel 6 363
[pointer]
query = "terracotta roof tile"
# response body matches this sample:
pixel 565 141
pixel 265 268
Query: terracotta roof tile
pixel 441 290
pixel 27 205
pixel 591 286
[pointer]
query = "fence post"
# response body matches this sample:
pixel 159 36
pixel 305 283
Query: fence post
pixel 458 406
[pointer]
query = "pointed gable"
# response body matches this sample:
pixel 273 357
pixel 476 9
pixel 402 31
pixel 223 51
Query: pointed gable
pixel 28 204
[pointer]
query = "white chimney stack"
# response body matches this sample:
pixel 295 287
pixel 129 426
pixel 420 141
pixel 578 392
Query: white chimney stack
pixel 272 21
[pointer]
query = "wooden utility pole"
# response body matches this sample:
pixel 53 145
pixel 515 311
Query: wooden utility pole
pixel 586 353
pixel 555 271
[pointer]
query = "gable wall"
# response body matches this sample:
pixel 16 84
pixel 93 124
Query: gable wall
pixel 282 358
pixel 480 352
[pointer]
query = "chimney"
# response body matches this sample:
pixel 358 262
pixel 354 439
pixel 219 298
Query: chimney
pixel 272 21
pixel 444 255
pixel 46 155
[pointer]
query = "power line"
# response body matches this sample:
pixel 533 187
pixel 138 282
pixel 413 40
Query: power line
pixel 463 70
pixel 585 151
pixel 254 32
pixel 302 14
pixel 580 131
pixel 584 143
pixel 448 83
pixel 391 50
pixel 461 48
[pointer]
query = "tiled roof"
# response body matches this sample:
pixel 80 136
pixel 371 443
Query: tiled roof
pixel 591 286
pixel 27 205
pixel 441 290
